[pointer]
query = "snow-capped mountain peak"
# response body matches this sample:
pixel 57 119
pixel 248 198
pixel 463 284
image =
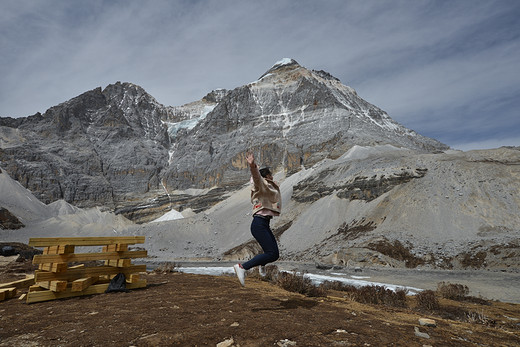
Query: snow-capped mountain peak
pixel 280 66
pixel 284 61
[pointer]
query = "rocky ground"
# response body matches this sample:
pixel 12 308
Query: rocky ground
pixel 194 310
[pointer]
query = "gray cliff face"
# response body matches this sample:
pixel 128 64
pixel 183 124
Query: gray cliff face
pixel 290 117
pixel 120 148
pixel 93 149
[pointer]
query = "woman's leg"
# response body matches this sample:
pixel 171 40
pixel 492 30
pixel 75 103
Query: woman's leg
pixel 264 236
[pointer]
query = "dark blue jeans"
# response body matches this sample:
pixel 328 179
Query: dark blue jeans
pixel 261 231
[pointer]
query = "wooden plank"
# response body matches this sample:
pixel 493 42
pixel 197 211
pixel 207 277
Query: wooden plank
pixel 22 296
pixel 134 278
pixel 36 288
pixel 84 241
pixel 42 284
pixel 12 292
pixel 53 267
pixel 60 249
pixel 68 258
pixel 7 293
pixel 116 248
pixel 119 262
pixel 83 283
pixel 47 295
pixel 19 284
pixel 74 274
pixel 58 286
pixel 48 250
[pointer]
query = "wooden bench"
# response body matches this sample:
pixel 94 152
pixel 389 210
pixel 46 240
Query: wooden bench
pixel 55 279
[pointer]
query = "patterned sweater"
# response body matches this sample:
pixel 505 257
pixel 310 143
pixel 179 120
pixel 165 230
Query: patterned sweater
pixel 265 195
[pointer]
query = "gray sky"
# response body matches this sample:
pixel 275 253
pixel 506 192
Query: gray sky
pixel 446 69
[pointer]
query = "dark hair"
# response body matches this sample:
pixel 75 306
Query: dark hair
pixel 265 171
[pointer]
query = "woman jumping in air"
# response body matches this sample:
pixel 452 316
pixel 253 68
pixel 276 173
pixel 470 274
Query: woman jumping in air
pixel 267 203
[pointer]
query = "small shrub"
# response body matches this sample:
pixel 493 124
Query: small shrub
pixel 298 283
pixel 475 300
pixel 479 318
pixel 397 250
pixel 316 291
pixel 166 268
pixel 473 260
pixel 293 282
pixel 376 295
pixel 427 300
pixel 271 273
pixel 399 299
pixel 453 312
pixel 339 286
pixel 452 291
pixel 380 295
pixel 458 292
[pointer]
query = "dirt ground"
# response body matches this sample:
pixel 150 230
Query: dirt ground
pixel 200 310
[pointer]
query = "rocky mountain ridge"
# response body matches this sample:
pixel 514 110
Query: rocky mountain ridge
pixel 119 148
pixel 291 117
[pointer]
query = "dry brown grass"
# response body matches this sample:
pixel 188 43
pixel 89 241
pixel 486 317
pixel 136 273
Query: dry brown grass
pixel 375 295
pixel 430 301
pixel 427 300
pixel 398 251
pixel 452 291
pixel 470 260
pixel 290 281
pixel 458 292
pixel 298 283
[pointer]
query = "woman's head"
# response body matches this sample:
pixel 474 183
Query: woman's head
pixel 265 172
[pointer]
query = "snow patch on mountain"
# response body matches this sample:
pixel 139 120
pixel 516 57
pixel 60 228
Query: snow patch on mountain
pixel 174 127
pixel 284 61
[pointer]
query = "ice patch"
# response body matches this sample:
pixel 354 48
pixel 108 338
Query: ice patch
pixel 318 279
pixel 173 128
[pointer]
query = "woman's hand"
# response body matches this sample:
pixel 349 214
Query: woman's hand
pixel 250 159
